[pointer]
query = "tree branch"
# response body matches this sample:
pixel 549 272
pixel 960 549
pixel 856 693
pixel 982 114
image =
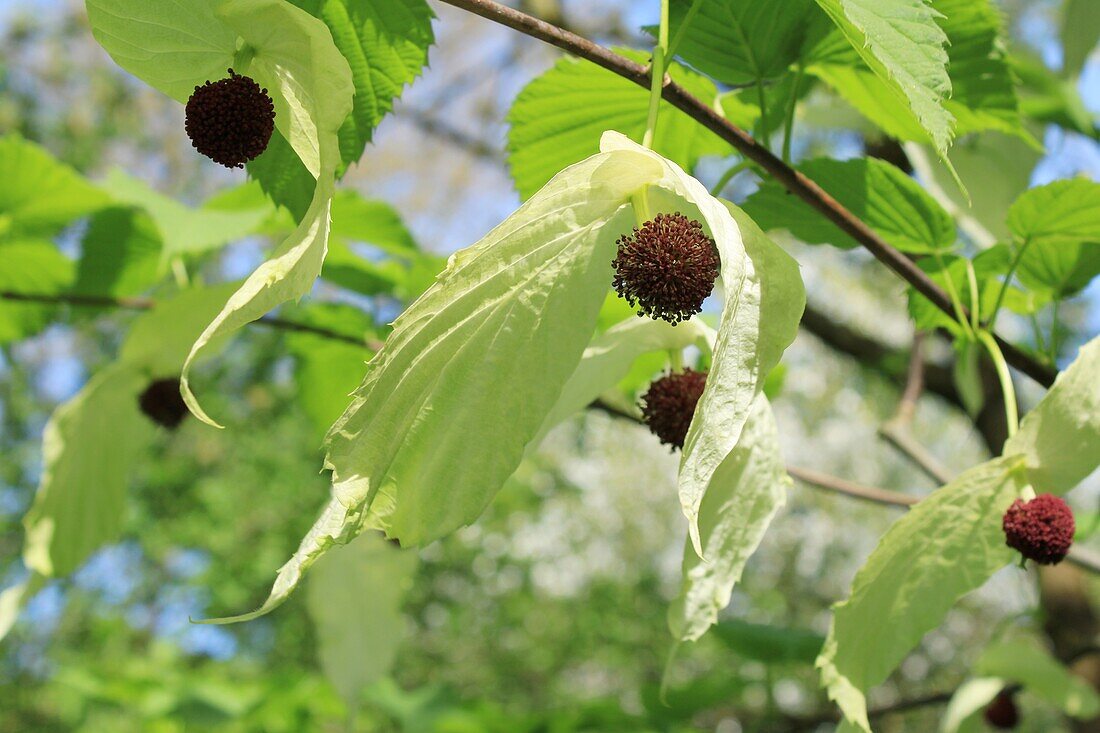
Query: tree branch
pixel 792 180
pixel 143 304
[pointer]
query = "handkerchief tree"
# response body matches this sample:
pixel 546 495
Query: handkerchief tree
pixel 511 336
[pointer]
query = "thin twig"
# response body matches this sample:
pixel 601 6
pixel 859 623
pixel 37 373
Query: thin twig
pixel 142 304
pixel 792 180
pixel 1079 556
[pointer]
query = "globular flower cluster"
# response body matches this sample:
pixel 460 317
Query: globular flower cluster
pixel 1041 529
pixel 161 402
pixel 230 120
pixel 667 268
pixel 669 404
pixel 1002 712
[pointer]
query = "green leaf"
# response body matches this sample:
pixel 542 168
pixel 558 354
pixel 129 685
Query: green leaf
pixel 89 446
pixel 744 494
pixel 743 41
pixel 91 442
pixel 946 546
pixel 1048 98
pixel 329 370
pixel 995 169
pixel 988 265
pixel 39 195
pixel 886 199
pixel 472 368
pixel 770 644
pixel 902 43
pixel 983 95
pixel 1080 33
pixel 386 44
pixel 119 253
pixel 283 177
pixel 1062 211
pixel 559 117
pixel 31 267
pixel 354 597
pixel 184 230
pixel 1026 663
pixel 1059 227
pixel 1060 437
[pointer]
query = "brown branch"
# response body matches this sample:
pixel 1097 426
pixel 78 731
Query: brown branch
pixel 809 722
pixel 792 180
pixel 1079 556
pixel 142 304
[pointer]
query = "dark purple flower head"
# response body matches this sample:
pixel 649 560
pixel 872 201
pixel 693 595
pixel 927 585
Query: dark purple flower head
pixel 230 120
pixel 667 268
pixel 1041 529
pixel 1002 712
pixel 161 402
pixel 669 405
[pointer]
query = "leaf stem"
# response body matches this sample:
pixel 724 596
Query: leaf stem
pixel 975 297
pixel 788 129
pixel 675 361
pixel 762 123
pixel 1019 254
pixel 953 293
pixel 657 77
pixel 670 53
pixel 1012 414
pixel 732 171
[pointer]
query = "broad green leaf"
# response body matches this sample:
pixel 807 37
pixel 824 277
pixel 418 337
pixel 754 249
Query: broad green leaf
pixel 328 371
pixel 1062 211
pixel 764 300
pixel 745 492
pixel 386 44
pixel 995 169
pixel 1061 269
pixel 472 368
pixel 902 43
pixel 1080 33
pixel 961 715
pixel 559 117
pixel 39 195
pixel 743 41
pixel 1048 98
pixel 119 253
pixel 91 441
pixel 184 230
pixel 354 598
pixel 946 546
pixel 983 95
pixel 172 46
pixel 30 267
pixel 283 177
pixel 610 356
pixel 770 644
pixel 1060 437
pixel 1023 661
pixel 89 447
pixel 1058 226
pixel 886 199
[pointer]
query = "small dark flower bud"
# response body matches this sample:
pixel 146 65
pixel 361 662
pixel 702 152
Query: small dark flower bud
pixel 669 405
pixel 667 268
pixel 1002 711
pixel 161 402
pixel 230 120
pixel 1041 529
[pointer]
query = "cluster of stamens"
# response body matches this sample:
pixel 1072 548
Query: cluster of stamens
pixel 669 405
pixel 667 268
pixel 230 120
pixel 1041 529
